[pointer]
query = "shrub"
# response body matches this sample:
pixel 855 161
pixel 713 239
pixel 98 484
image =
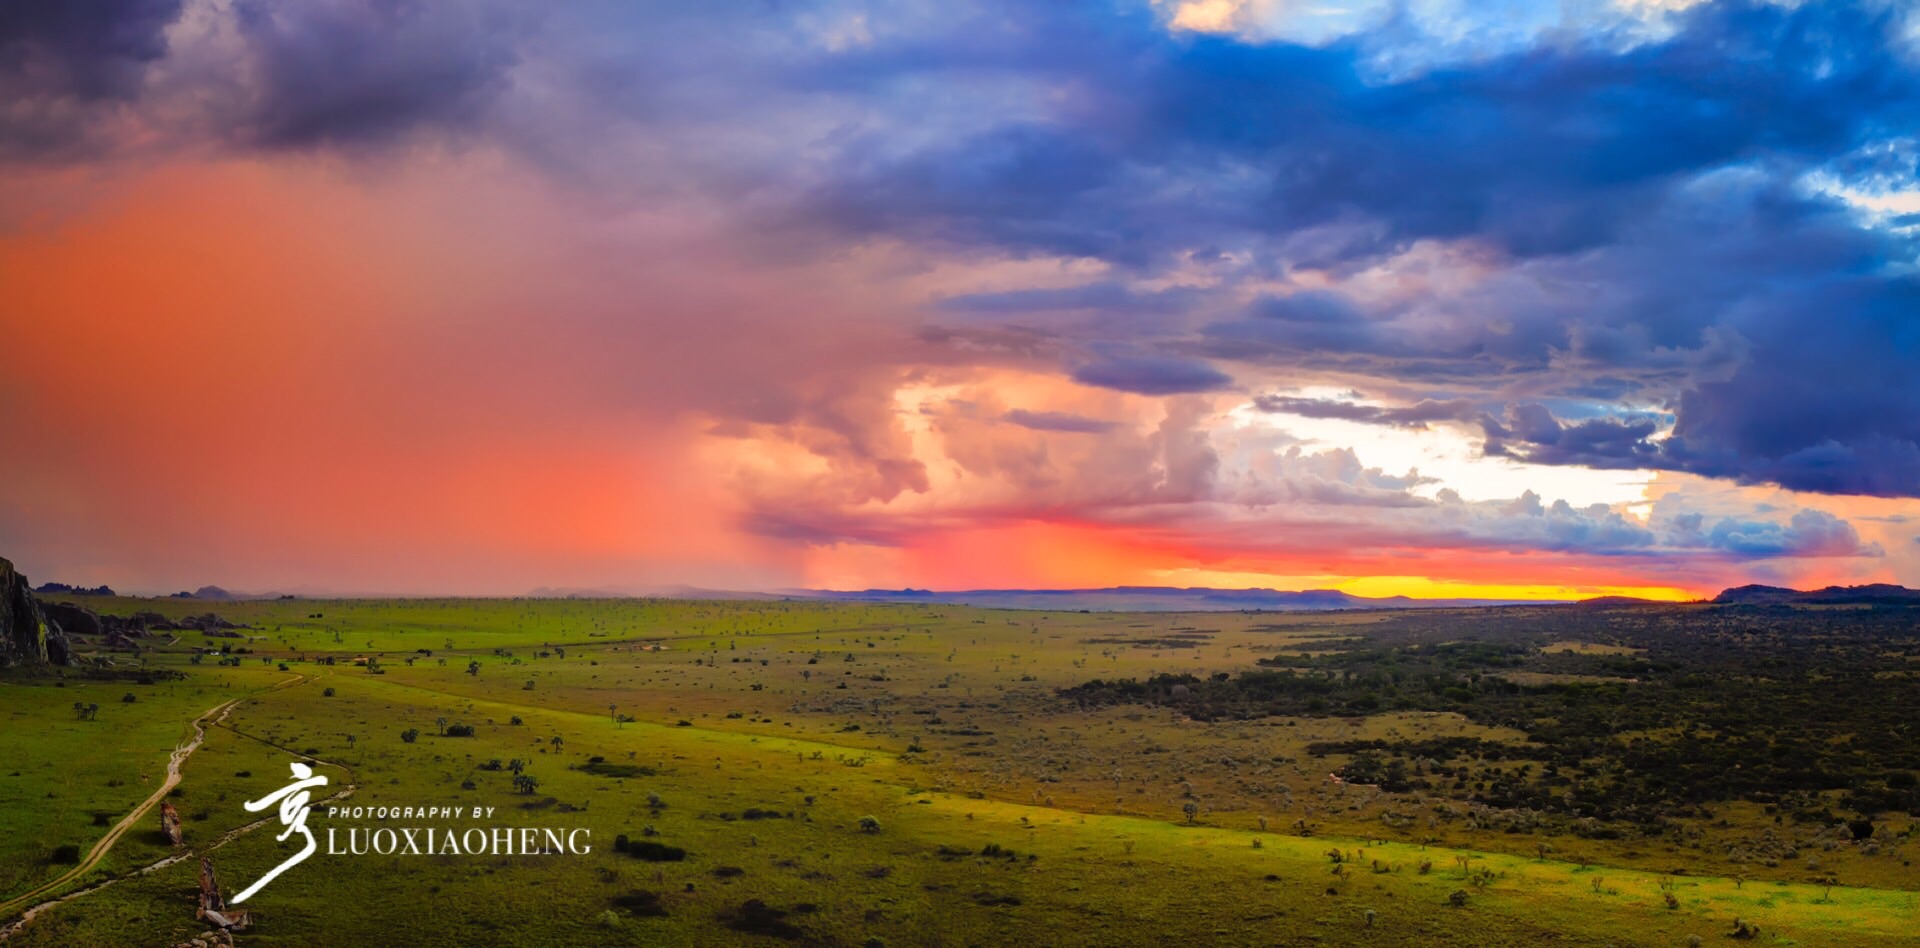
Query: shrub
pixel 650 851
pixel 410 734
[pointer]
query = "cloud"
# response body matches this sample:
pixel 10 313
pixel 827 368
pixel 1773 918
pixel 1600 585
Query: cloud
pixel 785 225
pixel 1532 434
pixel 1809 533
pixel 66 67
pixel 1417 415
pixel 355 72
pixel 1100 297
pixel 1057 421
pixel 1153 375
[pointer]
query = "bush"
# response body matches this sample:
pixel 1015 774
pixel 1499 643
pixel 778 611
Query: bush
pixel 459 730
pixel 65 855
pixel 410 734
pixel 869 825
pixel 650 851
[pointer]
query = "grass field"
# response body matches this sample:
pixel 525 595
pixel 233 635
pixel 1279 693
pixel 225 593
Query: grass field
pixel 759 736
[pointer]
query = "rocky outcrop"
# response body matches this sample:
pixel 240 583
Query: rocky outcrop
pixel 72 619
pixel 212 625
pixel 213 905
pixel 26 637
pixel 170 823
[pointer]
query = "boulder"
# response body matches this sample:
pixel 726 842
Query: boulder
pixel 73 619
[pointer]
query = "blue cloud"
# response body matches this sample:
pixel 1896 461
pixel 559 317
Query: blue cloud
pixel 1152 375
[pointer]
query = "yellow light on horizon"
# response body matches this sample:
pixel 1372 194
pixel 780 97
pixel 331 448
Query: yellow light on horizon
pixel 1421 587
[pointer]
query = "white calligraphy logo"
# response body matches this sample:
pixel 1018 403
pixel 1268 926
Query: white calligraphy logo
pixel 293 815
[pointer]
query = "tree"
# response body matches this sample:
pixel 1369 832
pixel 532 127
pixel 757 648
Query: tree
pixel 557 740
pixel 473 668
pixel 441 723
pixel 525 783
pixel 1191 809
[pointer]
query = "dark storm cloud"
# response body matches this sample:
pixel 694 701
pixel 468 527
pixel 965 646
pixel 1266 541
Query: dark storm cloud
pixel 65 63
pixel 87 48
pixel 1179 141
pixel 1645 208
pixel 352 72
pixel 1640 215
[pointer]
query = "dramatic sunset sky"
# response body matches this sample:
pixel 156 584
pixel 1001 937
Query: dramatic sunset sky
pixel 1435 297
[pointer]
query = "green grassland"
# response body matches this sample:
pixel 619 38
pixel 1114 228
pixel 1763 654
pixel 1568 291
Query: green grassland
pixel 758 737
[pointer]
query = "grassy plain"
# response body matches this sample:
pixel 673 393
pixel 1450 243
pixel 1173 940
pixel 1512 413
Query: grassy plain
pixel 757 737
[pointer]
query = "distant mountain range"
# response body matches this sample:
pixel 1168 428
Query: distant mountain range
pixel 1881 594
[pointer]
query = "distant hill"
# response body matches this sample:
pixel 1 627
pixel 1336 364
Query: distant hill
pixel 1620 602
pixel 1883 594
pixel 62 589
pixel 1150 599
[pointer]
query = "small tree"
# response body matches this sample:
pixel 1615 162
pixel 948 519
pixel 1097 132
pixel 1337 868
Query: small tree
pixel 473 668
pixel 525 783
pixel 1191 809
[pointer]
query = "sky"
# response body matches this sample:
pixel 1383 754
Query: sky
pixel 1428 297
